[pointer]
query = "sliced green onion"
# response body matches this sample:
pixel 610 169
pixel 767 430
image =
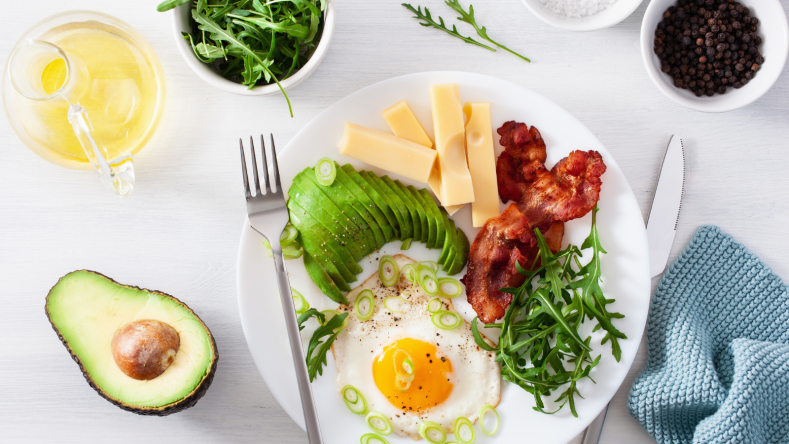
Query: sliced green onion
pixel 464 431
pixel 354 400
pixel 395 304
pixel 405 367
pixel 403 384
pixel 388 270
pixel 432 432
pixel 446 320
pixel 372 438
pixel 325 171
pixel 299 302
pixel 364 305
pixel 332 313
pixel 487 408
pixel 426 277
pixel 449 287
pixel 288 235
pixel 406 244
pixel 289 252
pixel 408 272
pixel 379 423
pixel 431 264
pixel 434 305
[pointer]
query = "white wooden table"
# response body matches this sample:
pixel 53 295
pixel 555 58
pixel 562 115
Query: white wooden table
pixel 179 231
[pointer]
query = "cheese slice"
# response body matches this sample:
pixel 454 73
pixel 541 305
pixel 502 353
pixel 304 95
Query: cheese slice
pixel 481 163
pixel 387 152
pixel 450 133
pixel 404 124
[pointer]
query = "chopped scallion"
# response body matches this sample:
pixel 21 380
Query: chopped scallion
pixel 408 272
pixel 330 314
pixel 388 270
pixel 354 400
pixel 372 438
pixel 426 277
pixel 464 431
pixel 434 305
pixel 395 304
pixel 432 432
pixel 487 408
pixel 446 320
pixel 379 423
pixel 431 264
pixel 364 305
pixel 299 302
pixel 288 235
pixel 325 171
pixel 449 287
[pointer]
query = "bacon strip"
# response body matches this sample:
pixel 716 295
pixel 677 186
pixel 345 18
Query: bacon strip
pixel 545 200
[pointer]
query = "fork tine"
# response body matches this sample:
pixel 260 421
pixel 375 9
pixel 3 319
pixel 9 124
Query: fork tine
pixel 254 167
pixel 244 170
pixel 276 166
pixel 265 164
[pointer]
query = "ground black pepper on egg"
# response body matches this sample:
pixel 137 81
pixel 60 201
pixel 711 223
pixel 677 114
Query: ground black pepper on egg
pixel 708 45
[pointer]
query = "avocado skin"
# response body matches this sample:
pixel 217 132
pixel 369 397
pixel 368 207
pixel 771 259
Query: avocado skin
pixel 189 401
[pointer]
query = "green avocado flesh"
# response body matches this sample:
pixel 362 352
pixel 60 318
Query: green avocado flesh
pixel 87 308
pixel 341 223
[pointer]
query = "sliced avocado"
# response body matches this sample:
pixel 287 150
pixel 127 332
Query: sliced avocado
pixel 447 237
pixel 432 229
pixel 409 207
pixel 305 223
pixel 346 181
pixel 377 199
pixel 315 200
pixel 461 256
pixel 322 280
pixel 420 213
pixel 87 309
pixel 406 226
pixel 453 249
pixel 433 208
pixel 350 206
pixel 336 226
pixel 312 245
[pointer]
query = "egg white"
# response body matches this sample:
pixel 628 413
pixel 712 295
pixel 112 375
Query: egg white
pixel 476 376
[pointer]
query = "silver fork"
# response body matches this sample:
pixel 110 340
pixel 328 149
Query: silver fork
pixel 268 216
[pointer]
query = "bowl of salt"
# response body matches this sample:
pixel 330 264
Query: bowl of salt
pixel 582 15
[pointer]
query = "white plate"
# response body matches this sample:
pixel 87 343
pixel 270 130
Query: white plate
pixel 625 268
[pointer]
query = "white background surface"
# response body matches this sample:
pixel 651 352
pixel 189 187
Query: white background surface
pixel 179 232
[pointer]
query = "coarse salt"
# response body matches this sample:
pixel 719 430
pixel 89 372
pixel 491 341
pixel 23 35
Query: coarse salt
pixel 577 8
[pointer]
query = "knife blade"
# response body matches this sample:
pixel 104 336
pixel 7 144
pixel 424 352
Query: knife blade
pixel 666 205
pixel 661 228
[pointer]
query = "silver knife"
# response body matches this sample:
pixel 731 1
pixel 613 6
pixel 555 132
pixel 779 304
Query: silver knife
pixel 661 228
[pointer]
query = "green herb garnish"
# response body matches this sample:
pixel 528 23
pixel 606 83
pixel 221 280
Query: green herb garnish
pixel 254 42
pixel 468 17
pixel 539 332
pixel 331 329
pixel 432 23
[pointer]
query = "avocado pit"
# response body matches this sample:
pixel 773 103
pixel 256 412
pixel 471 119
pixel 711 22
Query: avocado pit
pixel 144 349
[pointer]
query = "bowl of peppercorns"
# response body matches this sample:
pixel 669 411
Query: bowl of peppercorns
pixel 714 55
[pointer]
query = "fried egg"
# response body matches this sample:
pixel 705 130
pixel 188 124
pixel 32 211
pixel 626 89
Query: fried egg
pixel 452 376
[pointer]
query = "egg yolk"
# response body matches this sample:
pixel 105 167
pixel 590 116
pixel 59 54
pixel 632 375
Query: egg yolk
pixel 432 372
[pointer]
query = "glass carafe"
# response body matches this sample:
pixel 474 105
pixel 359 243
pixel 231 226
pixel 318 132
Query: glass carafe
pixel 83 89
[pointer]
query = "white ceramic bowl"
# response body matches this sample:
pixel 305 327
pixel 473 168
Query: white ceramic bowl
pixel 606 18
pixel 182 16
pixel 773 30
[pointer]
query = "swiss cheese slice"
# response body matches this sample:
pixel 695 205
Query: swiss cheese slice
pixel 481 163
pixel 450 133
pixel 404 124
pixel 387 152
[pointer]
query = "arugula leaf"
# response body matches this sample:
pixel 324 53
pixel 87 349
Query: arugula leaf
pixel 432 23
pixel 167 5
pixel 309 314
pixel 468 17
pixel 218 33
pixel 331 329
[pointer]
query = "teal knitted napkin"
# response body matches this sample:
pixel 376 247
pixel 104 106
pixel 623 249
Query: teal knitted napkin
pixel 718 345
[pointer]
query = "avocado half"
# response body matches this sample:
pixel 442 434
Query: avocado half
pixel 86 308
